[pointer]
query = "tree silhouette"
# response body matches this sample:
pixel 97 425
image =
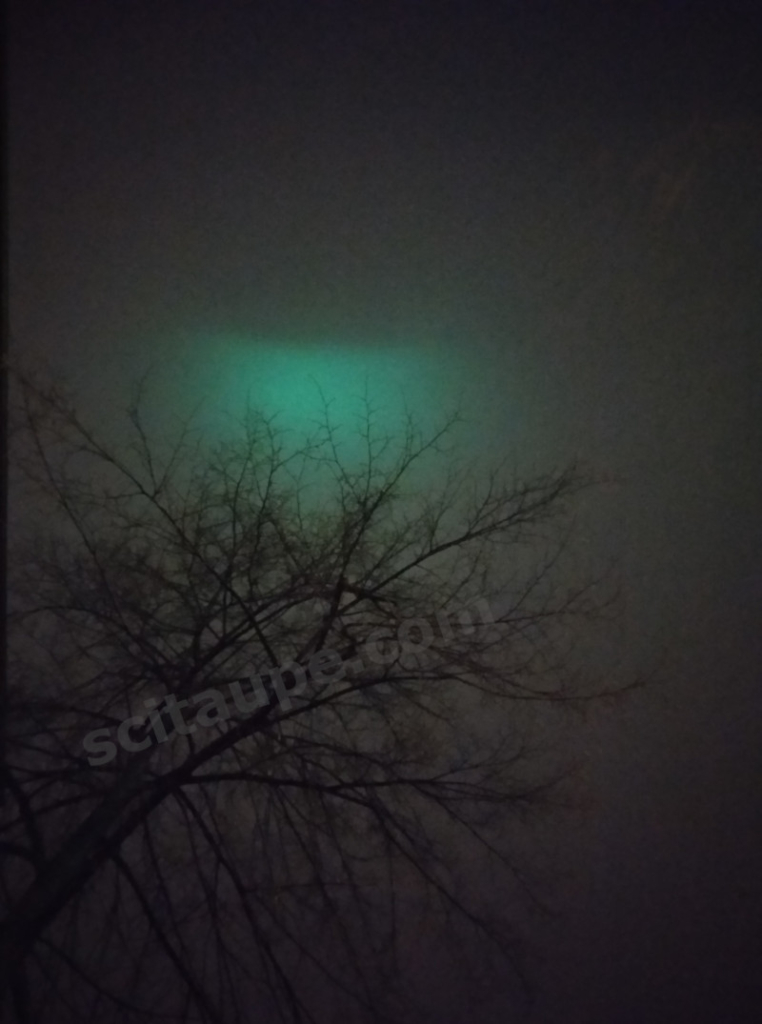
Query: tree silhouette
pixel 266 701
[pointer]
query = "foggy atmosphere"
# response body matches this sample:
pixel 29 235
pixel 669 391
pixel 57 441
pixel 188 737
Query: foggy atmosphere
pixel 384 591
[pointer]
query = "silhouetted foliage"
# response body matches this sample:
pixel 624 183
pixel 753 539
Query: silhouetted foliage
pixel 274 862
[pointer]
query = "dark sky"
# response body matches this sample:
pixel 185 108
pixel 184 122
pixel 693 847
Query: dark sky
pixel 557 206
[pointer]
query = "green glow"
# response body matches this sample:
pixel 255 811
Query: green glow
pixel 289 378
pixel 215 374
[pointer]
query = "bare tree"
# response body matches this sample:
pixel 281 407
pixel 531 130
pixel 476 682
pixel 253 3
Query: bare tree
pixel 266 701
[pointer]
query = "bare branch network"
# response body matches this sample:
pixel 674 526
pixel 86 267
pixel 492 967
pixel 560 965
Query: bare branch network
pixel 281 862
pixel 165 717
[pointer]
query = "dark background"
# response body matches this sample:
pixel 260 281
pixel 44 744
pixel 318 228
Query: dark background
pixel 564 200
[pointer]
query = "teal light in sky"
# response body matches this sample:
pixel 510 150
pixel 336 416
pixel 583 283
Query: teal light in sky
pixel 216 374
pixel 291 379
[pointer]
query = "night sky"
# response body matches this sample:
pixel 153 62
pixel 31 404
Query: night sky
pixel 550 212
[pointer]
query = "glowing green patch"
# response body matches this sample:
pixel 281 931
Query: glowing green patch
pixel 215 375
pixel 293 380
